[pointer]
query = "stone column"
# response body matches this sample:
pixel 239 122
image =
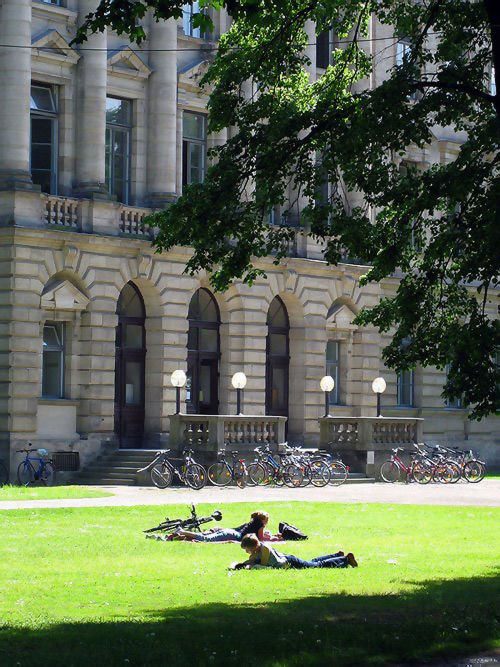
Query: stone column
pixel 162 125
pixel 15 77
pixel 91 112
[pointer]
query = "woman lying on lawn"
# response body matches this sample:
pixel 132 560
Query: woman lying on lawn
pixel 261 555
pixel 257 524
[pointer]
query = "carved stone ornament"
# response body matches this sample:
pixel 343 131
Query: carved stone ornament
pixel 63 295
pixel 341 317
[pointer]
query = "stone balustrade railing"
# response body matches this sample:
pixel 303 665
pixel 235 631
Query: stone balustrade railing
pixel 132 221
pixel 364 442
pixel 61 211
pixel 206 434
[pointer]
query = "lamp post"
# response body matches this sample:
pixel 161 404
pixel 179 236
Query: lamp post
pixel 327 383
pixel 239 381
pixel 178 379
pixel 378 386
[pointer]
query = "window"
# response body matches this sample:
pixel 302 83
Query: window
pixel 332 369
pixel 187 20
pixel 493 82
pixel 456 402
pixel 403 51
pixel 323 49
pixel 52 2
pixel 53 360
pixel 43 150
pixel 194 147
pixel 277 358
pixel 406 381
pixel 118 147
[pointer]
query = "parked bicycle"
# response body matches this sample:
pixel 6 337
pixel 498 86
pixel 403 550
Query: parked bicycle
pixel 390 471
pixel 315 470
pixel 222 473
pixel 162 470
pixel 42 471
pixel 191 523
pixel 4 474
pixel 274 472
pixel 469 467
pixel 339 471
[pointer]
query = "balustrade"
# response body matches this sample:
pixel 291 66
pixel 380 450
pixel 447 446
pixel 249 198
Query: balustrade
pixel 61 211
pixel 132 221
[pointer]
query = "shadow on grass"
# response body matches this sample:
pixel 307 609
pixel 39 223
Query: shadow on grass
pixel 440 618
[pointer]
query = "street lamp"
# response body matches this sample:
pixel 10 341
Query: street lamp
pixel 239 381
pixel 327 383
pixel 378 386
pixel 178 379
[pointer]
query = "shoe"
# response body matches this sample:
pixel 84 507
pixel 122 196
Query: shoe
pixel 339 553
pixel 351 560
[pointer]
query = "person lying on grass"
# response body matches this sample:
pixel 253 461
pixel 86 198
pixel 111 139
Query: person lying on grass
pixel 260 555
pixel 257 524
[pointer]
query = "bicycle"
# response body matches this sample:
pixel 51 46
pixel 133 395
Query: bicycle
pixel 4 473
pixel 28 473
pixel 163 470
pixel 222 473
pixel 274 472
pixel 339 471
pixel 315 470
pixel 390 471
pixel 191 523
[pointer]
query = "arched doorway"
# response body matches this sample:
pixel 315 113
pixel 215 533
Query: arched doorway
pixel 129 368
pixel 277 359
pixel 202 396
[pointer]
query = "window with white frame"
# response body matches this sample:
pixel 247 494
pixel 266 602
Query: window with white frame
pixel 118 147
pixel 53 2
pixel 187 20
pixel 333 369
pixel 403 53
pixel 493 83
pixel 43 140
pixel 406 383
pixel 194 147
pixel 455 402
pixel 53 360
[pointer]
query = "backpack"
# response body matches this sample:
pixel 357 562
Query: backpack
pixel 289 532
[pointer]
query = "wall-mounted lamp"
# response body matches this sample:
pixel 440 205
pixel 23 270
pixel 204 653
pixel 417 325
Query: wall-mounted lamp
pixel 379 385
pixel 327 383
pixel 178 379
pixel 239 381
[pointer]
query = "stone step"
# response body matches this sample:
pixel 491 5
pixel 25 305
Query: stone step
pixel 108 472
pixel 98 481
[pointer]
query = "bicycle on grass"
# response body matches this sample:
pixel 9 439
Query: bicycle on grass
pixel 4 473
pixel 27 473
pixel 192 523
pixel 189 472
pixel 223 473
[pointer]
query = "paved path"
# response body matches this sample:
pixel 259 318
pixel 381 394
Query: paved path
pixel 486 494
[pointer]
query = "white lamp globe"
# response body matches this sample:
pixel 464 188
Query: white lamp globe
pixel 239 380
pixel 379 385
pixel 178 378
pixel 327 383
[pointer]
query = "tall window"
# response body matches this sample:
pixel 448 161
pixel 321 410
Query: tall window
pixel 406 380
pixel 53 360
pixel 333 369
pixel 277 359
pixel 202 395
pixel 403 52
pixel 455 402
pixel 324 48
pixel 118 147
pixel 493 82
pixel 187 20
pixel 43 157
pixel 194 147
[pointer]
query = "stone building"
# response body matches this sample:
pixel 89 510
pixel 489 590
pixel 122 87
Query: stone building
pixel 93 322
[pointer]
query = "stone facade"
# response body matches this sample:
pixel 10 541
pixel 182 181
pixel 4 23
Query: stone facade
pixel 67 254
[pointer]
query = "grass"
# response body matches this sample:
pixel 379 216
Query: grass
pixel 11 492
pixel 83 586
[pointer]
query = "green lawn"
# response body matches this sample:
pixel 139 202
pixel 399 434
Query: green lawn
pixel 49 493
pixel 84 587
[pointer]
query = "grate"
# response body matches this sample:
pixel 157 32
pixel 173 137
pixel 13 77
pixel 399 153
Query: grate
pixel 66 461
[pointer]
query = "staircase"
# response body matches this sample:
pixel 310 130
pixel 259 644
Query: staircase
pixel 117 468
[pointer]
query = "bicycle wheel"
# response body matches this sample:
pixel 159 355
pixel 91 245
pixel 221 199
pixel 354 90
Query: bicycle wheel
pixel 219 474
pixel 4 474
pixel 241 475
pixel 48 474
pixel 390 472
pixel 442 473
pixel 292 475
pixel 161 475
pixel 257 474
pixel 420 473
pixel 319 473
pixel 25 473
pixel 196 476
pixel 474 471
pixel 338 473
pixel 455 471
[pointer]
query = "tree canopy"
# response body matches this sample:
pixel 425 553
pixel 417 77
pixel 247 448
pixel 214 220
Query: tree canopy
pixel 436 229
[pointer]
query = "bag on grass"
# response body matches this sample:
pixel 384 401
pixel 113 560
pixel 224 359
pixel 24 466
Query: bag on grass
pixel 289 532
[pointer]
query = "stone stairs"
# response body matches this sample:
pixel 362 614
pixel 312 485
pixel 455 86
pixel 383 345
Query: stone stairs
pixel 118 468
